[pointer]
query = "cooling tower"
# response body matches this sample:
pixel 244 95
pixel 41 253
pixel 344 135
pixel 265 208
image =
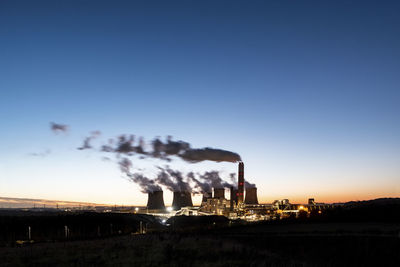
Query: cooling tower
pixel 155 201
pixel 240 193
pixel 206 195
pixel 181 199
pixel 219 193
pixel 251 196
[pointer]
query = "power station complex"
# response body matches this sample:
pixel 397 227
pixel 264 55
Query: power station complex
pixel 242 203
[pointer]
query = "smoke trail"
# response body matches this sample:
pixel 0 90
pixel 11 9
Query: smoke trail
pixel 124 145
pixel 179 180
pixel 173 180
pixel 164 151
pixel 214 180
pixel 40 154
pixel 212 154
pixel 249 185
pixel 57 128
pixel 163 178
pixel 204 187
pixel 146 185
pixel 86 142
pixel 184 151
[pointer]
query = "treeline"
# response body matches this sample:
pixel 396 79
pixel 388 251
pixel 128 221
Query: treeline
pixel 379 210
pixel 40 227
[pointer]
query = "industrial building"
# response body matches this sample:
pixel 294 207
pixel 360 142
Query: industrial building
pixel 243 203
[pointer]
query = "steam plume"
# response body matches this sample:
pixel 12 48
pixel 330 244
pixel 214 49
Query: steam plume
pixel 56 127
pixel 125 145
pixel 212 154
pixel 146 185
pixel 86 142
pixel 40 154
pixel 249 185
pixel 173 180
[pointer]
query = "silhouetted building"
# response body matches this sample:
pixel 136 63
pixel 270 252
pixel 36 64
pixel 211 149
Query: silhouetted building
pixel 181 199
pixel 251 196
pixel 219 192
pixel 155 200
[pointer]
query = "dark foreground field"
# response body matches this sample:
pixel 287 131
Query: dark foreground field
pixel 288 244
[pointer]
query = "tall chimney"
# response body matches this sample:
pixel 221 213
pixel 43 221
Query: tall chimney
pixel 219 193
pixel 240 193
pixel 155 201
pixel 251 196
pixel 234 198
pixel 181 199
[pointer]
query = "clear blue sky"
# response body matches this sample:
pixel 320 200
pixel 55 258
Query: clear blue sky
pixel 307 92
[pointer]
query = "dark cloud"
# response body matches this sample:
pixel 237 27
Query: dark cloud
pixel 128 145
pixel 86 142
pixel 203 187
pixel 184 151
pixel 214 180
pixel 125 144
pixel 249 185
pixel 212 154
pixel 164 179
pixel 180 181
pixel 146 184
pixel 173 180
pixel 57 128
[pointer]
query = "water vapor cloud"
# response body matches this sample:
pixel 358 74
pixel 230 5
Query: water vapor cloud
pixel 58 128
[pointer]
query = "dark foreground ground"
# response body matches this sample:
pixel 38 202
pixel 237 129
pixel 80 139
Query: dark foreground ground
pixel 288 244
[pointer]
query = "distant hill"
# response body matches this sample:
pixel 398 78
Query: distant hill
pixel 374 202
pixel 376 210
pixel 14 203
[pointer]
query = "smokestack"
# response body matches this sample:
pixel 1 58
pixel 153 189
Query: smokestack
pixel 251 196
pixel 240 183
pixel 234 197
pixel 155 201
pixel 219 193
pixel 181 199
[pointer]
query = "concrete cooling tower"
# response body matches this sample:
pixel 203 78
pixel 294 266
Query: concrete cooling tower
pixel 251 196
pixel 155 201
pixel 182 199
pixel 219 193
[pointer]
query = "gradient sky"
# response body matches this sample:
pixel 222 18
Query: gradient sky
pixel 307 92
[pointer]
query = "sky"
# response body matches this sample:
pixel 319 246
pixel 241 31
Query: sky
pixel 307 92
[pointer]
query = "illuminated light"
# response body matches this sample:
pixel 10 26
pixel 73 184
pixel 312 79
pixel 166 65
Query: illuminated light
pixel 136 209
pixel 301 208
pixel 169 209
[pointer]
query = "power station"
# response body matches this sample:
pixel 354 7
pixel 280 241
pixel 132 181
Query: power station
pixel 212 203
pixel 242 203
